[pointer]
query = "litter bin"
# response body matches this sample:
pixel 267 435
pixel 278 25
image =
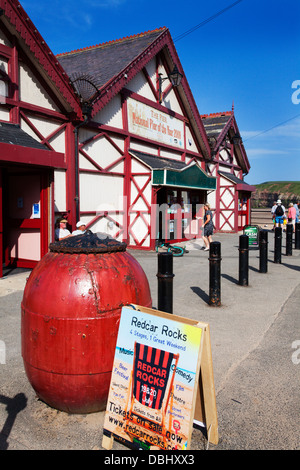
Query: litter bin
pixel 70 316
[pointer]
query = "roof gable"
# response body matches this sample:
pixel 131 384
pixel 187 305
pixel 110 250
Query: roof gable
pixel 105 61
pixel 220 125
pixel 16 21
pixel 216 125
pixel 118 62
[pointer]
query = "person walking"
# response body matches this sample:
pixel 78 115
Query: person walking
pixel 292 215
pixel 279 214
pixel 208 226
pixel 273 214
pixel 296 205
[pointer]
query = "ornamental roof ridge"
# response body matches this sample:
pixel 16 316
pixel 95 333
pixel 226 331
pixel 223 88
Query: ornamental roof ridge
pixel 109 43
pixel 220 114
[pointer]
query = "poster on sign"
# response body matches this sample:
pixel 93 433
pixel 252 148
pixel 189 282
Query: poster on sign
pixel 155 376
pixel 148 122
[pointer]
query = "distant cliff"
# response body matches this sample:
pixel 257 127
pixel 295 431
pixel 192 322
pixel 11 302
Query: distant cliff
pixel 267 193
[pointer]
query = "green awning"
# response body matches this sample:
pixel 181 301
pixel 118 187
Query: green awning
pixel 192 177
pixel 167 172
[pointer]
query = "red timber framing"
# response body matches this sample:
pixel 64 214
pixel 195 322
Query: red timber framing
pixel 118 83
pixel 229 165
pixel 104 155
pixel 24 53
pixel 136 182
pixel 19 190
pixel 132 219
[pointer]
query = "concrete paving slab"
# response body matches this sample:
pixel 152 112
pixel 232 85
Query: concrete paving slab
pixel 242 328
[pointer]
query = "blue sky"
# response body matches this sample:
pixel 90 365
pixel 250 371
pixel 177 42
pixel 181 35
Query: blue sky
pixel 248 55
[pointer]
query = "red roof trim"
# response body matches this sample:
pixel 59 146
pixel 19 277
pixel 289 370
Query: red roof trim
pixel 32 156
pixel 116 83
pixel 190 98
pixel 230 123
pixel 109 43
pixel 213 115
pixel 27 30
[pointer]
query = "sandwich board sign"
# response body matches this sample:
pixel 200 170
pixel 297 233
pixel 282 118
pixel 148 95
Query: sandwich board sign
pixel 161 383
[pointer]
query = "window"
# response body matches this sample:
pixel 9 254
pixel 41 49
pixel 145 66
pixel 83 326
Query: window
pixel 4 86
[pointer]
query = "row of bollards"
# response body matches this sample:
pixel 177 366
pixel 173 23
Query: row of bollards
pixel 165 265
pixel 289 241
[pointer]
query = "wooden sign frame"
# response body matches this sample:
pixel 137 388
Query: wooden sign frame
pixel 202 412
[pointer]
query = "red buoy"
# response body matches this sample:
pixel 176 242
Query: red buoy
pixel 70 316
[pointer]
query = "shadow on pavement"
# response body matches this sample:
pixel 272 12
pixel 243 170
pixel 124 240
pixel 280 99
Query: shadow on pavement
pixel 13 407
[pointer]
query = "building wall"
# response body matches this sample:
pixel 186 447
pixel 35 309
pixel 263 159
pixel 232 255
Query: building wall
pixel 115 188
pixel 224 201
pixel 27 99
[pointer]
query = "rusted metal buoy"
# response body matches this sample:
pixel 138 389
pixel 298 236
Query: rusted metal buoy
pixel 70 316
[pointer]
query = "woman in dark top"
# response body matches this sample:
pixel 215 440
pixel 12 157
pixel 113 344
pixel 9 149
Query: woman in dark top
pixel 208 226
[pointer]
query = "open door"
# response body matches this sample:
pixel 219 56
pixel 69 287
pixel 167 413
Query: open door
pixel 25 217
pixel 243 210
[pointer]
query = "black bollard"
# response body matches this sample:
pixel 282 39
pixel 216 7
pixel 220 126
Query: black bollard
pixel 165 282
pixel 244 260
pixel 289 240
pixel 215 274
pixel 297 236
pixel 263 251
pixel 277 245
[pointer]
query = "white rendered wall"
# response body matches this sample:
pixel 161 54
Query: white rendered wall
pixel 60 204
pixel 31 90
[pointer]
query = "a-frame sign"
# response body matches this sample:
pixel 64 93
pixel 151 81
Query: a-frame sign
pixel 162 382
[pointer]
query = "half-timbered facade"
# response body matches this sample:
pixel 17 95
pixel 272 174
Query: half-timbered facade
pixel 231 200
pixel 36 102
pixel 136 131
pixel 135 163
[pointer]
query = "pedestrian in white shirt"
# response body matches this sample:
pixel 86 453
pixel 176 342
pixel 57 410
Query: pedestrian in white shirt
pixel 279 214
pixel 273 213
pixel 80 228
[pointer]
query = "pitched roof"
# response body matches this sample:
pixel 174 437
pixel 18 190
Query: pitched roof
pixel 156 162
pixel 241 184
pixel 14 135
pixel 105 61
pixel 217 126
pixel 113 64
pixel 215 123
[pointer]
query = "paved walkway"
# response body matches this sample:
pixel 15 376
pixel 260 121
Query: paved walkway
pixel 252 336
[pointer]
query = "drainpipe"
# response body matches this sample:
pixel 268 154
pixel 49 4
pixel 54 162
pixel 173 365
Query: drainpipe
pixel 86 111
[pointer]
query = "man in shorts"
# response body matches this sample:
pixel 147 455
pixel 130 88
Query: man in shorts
pixel 279 214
